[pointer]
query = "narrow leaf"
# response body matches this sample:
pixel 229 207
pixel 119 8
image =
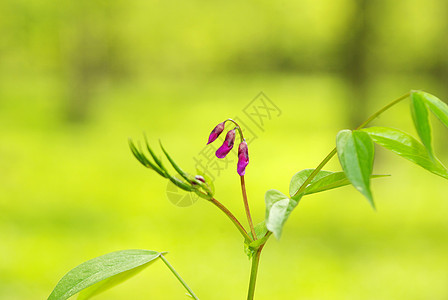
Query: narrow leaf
pixel 175 166
pixel 437 106
pixel 278 209
pixel 331 181
pixel 110 282
pixel 98 269
pixel 356 153
pixel 154 156
pixel 407 147
pixel 300 177
pixel 420 117
pixel 143 160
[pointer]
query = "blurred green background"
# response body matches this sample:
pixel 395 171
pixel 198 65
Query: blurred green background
pixel 77 78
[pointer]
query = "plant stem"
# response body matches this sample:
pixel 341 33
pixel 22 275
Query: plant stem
pixel 314 173
pixel 372 117
pixel 190 291
pixel 238 127
pixel 233 219
pixel 246 208
pixel 334 151
pixel 253 273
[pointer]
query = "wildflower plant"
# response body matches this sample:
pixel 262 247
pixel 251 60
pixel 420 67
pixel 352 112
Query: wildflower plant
pixel 355 151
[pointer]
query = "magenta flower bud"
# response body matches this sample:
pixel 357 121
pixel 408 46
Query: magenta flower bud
pixel 243 158
pixel 216 132
pixel 227 145
pixel 200 178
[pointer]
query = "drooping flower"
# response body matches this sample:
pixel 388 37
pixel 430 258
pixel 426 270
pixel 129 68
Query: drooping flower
pixel 216 132
pixel 243 158
pixel 227 145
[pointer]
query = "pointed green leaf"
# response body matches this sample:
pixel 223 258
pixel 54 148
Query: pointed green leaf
pixel 154 156
pixel 278 209
pixel 331 181
pixel 437 106
pixel 178 169
pixel 356 153
pixel 407 147
pixel 420 117
pixel 110 282
pixel 100 268
pixel 300 177
pixel 144 160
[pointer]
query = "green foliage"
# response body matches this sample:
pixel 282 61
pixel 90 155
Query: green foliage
pixel 355 149
pixel 260 232
pixel 437 106
pixel 300 177
pixel 101 273
pixel 278 209
pixel 190 183
pixel 420 117
pixel 356 153
pixel 407 147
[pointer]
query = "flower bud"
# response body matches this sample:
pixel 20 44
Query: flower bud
pixel 216 132
pixel 227 145
pixel 200 178
pixel 243 158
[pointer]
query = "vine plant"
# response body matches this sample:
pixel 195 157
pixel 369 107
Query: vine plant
pixel 355 150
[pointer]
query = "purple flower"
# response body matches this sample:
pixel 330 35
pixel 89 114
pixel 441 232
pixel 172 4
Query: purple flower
pixel 216 132
pixel 243 158
pixel 227 145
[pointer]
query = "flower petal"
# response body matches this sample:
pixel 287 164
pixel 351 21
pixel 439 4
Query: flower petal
pixel 216 132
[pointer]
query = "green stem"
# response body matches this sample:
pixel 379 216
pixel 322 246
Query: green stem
pixel 253 273
pixel 334 151
pixel 238 127
pixel 190 291
pixel 314 173
pixel 246 208
pixel 233 219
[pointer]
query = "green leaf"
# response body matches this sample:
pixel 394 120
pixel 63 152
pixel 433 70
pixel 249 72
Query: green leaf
pixel 154 156
pixel 260 232
pixel 356 153
pixel 331 181
pixel 260 229
pixel 437 106
pixel 110 282
pixel 184 175
pixel 144 160
pixel 100 268
pixel 278 209
pixel 407 147
pixel 420 117
pixel 300 177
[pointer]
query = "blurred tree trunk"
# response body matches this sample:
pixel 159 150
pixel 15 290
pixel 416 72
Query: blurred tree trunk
pixel 355 67
pixel 440 68
pixel 92 56
pixel 83 74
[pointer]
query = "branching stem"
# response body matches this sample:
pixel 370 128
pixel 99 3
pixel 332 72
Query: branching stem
pixel 333 152
pixel 233 219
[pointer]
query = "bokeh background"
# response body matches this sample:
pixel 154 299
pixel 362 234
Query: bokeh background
pixel 77 78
